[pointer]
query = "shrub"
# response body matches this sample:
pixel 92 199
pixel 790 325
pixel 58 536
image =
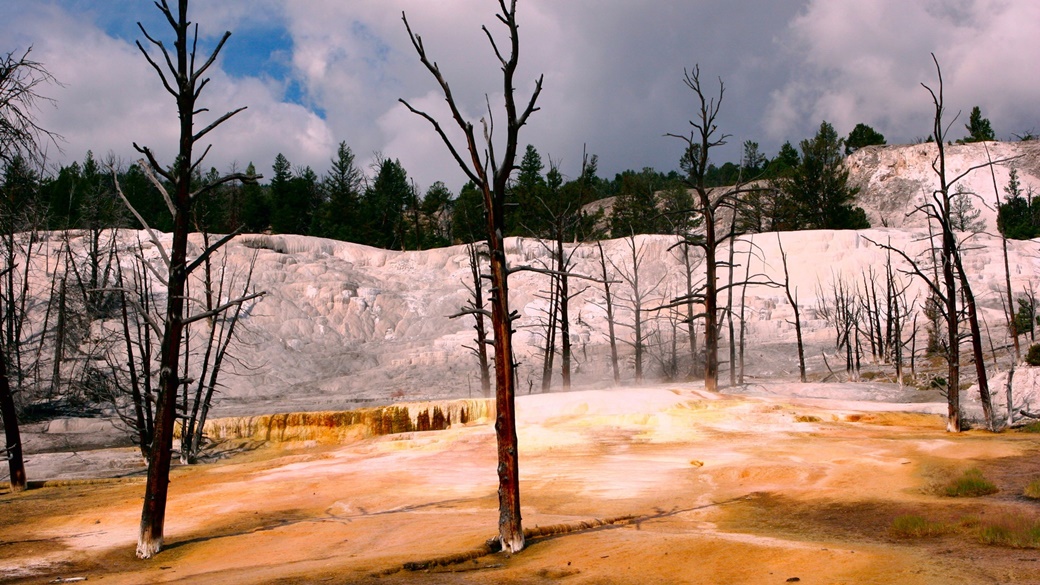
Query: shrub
pixel 1033 355
pixel 970 485
pixel 1033 489
pixel 911 526
pixel 1011 533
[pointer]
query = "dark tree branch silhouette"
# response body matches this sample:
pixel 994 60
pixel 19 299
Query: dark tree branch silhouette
pixel 491 176
pixel 185 82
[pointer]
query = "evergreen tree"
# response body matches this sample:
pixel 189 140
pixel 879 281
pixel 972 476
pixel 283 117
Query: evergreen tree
pixel 785 161
pixel 678 209
pixel 383 204
pixel 525 211
pixel 752 162
pixel 635 206
pixel 817 192
pixel 979 128
pixel 467 218
pixel 1018 218
pixel 435 212
pixel 862 135
pixel 341 192
pixel 574 196
pixel 256 205
pixel 294 198
pixel 964 216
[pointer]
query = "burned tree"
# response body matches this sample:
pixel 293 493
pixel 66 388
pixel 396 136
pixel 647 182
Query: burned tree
pixel 608 306
pixel 22 142
pixel 939 210
pixel 792 297
pixel 476 308
pixel 184 81
pixel 707 204
pixel 636 300
pixel 493 187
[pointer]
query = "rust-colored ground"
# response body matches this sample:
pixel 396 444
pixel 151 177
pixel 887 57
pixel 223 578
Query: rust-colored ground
pixel 722 490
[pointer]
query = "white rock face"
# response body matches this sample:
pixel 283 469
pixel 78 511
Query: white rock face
pixel 894 180
pixel 344 325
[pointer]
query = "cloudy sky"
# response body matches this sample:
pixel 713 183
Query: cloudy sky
pixel 317 72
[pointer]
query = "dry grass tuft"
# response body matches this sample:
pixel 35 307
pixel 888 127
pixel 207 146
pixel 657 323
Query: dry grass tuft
pixel 970 485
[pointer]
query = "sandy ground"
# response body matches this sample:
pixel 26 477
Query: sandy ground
pixel 714 489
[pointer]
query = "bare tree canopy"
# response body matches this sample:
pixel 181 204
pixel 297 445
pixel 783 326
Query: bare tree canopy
pixel 20 133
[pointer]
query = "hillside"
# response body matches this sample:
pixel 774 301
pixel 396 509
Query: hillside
pixel 894 179
pixel 344 325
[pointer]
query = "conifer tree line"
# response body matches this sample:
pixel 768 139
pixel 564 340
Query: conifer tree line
pixel 804 187
pixel 383 207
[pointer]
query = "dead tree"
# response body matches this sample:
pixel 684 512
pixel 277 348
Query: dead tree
pixel 475 307
pixel 608 306
pixel 792 297
pixel 13 450
pixel 1009 308
pixel 707 204
pixel 184 81
pixel 938 210
pixel 743 304
pixel 22 142
pixel 690 293
pixel 636 301
pixel 493 186
pixel 220 327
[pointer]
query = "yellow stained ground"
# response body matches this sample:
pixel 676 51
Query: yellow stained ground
pixel 722 490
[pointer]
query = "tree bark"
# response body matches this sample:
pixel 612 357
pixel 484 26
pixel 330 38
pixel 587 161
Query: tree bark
pixel 493 189
pixel 15 460
pixel 608 299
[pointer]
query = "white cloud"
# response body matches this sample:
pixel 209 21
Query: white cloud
pixel 111 98
pixel 613 74
pixel 865 61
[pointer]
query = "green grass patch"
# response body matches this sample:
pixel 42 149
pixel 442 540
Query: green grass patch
pixel 1033 427
pixel 911 526
pixel 1033 489
pixel 1011 534
pixel 970 485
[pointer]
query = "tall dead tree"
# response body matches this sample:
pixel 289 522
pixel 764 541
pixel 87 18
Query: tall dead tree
pixel 1009 308
pixel 938 210
pixel 493 185
pixel 608 306
pixel 792 297
pixel 22 141
pixel 699 142
pixel 184 80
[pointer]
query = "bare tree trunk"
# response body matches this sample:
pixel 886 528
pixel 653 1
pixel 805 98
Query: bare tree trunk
pixel 143 427
pixel 695 162
pixel 15 461
pixel 1010 308
pixel 691 325
pixel 743 296
pixel 793 299
pixel 729 308
pixel 976 344
pixel 493 188
pixel 608 299
pixel 564 319
pixel 549 351
pixel 187 82
pixel 478 315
